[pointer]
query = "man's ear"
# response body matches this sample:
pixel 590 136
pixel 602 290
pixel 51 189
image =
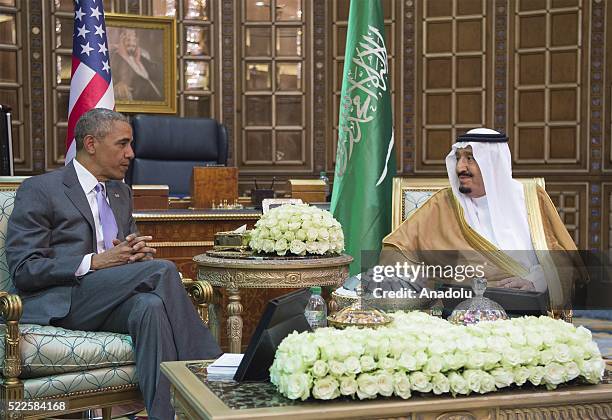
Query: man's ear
pixel 89 144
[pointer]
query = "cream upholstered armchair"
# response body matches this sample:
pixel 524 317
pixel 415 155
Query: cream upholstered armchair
pixel 411 193
pixel 86 369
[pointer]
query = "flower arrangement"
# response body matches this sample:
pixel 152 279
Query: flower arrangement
pixel 418 352
pixel 297 229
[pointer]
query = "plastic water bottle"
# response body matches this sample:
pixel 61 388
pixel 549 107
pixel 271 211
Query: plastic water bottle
pixel 324 178
pixel 316 309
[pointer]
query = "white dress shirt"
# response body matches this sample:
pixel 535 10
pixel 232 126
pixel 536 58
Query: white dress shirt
pixel 88 183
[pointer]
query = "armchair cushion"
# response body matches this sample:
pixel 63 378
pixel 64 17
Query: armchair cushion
pixel 50 350
pixel 84 382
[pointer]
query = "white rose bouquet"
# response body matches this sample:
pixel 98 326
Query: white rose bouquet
pixel 421 353
pixel 297 229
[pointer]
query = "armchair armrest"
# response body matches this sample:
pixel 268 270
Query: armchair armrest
pixel 201 294
pixel 11 310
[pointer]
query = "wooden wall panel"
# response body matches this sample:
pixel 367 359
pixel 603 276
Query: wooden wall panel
pixel 607 218
pixel 571 201
pixel 454 75
pixel 547 79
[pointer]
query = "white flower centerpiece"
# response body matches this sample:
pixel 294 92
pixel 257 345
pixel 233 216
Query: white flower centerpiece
pixel 297 229
pixel 421 353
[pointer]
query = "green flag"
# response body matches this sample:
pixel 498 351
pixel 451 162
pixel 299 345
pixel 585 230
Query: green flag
pixel 365 161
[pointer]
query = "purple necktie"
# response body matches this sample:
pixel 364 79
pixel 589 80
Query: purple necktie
pixel 107 218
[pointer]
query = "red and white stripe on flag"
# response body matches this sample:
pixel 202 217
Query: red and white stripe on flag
pixel 91 85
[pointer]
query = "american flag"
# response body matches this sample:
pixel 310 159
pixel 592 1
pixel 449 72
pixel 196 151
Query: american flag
pixel 91 85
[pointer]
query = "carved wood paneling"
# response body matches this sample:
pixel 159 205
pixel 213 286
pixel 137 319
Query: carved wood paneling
pixel 547 76
pixel 454 75
pixel 607 218
pixel 571 201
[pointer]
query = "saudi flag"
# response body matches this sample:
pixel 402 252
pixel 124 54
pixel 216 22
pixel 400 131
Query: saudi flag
pixel 365 161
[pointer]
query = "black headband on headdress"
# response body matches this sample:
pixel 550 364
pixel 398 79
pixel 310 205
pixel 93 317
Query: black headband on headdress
pixel 483 138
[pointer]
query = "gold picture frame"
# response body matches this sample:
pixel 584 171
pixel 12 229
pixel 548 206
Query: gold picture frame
pixel 142 52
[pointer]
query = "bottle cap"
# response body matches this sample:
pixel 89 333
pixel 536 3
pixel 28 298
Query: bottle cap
pixel 315 290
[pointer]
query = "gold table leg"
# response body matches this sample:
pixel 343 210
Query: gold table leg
pixel 234 321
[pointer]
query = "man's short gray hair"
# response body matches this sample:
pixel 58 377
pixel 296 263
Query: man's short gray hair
pixel 96 122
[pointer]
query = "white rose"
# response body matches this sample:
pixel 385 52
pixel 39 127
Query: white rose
pixel 289 235
pixel 420 382
pixel 407 361
pixel 521 374
pixel 421 359
pixel 320 369
pixel 554 374
pixel 401 385
pixel 384 381
pixel 322 247
pixel 325 388
pixel 367 363
pixel 451 362
pixel 297 386
pixel 293 364
pixel 294 226
pixel 546 356
pixel 268 245
pixel 433 365
pixel 475 360
pixel 536 374
pixel 535 341
pixel 297 247
pixel 323 234
pixel 312 234
pixel 572 370
pixel 281 246
pixel 503 377
pixel 311 247
pixel 336 368
pixel 367 386
pixel 300 235
pixel 283 225
pixel 348 385
pixel 387 363
pixel 479 381
pixel 510 357
pixel 440 384
pixel 593 370
pixel 310 353
pixel 352 365
pixel 458 384
pixel 275 233
pixel 528 355
pixel 561 353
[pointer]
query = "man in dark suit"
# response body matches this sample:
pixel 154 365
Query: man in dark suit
pixel 78 262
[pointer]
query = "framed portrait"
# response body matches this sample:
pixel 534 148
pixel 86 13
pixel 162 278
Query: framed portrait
pixel 143 62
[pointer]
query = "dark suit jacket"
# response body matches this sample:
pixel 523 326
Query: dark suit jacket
pixel 49 232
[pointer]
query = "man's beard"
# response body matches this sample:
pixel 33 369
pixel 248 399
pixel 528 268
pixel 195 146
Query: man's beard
pixel 462 189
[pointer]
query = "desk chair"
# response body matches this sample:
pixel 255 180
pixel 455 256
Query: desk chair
pixel 167 148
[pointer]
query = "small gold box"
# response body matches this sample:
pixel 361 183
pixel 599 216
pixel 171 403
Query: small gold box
pixel 309 190
pixel 225 241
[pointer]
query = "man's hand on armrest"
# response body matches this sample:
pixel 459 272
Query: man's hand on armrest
pixel 133 248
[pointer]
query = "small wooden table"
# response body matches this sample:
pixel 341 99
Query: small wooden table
pixel 195 398
pixel 234 274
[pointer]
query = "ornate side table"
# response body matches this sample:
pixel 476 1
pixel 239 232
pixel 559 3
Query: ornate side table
pixel 234 274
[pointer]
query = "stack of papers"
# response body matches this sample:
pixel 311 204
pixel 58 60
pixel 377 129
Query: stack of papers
pixel 225 367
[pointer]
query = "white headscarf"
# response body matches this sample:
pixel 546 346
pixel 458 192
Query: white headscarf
pixel 505 196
